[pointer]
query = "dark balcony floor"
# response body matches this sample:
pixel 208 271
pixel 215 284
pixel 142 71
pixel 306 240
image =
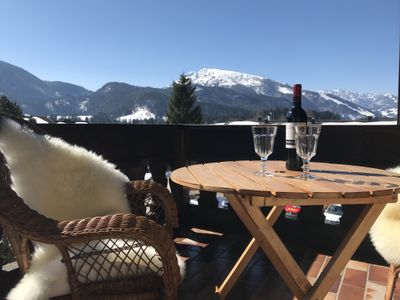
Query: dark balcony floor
pixel 210 257
pixel 208 266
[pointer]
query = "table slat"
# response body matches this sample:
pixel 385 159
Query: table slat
pixel 209 181
pixel 314 188
pixel 351 168
pixel 183 177
pixel 325 189
pixel 362 183
pixel 277 188
pixel 241 183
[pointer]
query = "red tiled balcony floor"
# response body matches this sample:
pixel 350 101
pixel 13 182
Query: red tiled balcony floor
pixel 358 281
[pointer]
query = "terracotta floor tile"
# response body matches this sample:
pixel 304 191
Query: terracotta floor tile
pixel 374 291
pixel 378 273
pixel 320 257
pixel 315 268
pixel 358 265
pixel 349 292
pixel 355 277
pixel 326 261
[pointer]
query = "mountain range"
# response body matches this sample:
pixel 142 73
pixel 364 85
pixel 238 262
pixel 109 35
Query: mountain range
pixel 223 95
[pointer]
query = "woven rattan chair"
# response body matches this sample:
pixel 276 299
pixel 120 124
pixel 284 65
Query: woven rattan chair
pixel 127 256
pixel 92 242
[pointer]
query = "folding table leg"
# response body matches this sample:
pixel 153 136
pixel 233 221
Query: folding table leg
pixel 224 289
pixel 345 250
pixel 269 241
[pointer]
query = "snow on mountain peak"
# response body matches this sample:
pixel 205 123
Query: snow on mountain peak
pixel 384 103
pixel 140 113
pixel 224 78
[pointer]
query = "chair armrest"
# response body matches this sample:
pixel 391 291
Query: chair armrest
pixel 21 223
pixel 121 224
pixel 161 207
pixel 126 239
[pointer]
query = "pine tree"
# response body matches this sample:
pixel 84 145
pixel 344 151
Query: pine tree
pixel 10 107
pixel 182 106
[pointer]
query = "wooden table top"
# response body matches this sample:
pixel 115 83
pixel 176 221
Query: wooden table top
pixel 337 183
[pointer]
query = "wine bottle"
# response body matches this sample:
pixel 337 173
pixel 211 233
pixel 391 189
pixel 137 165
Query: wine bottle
pixel 296 115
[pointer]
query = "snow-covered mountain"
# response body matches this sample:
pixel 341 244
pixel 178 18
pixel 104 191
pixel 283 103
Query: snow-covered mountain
pixel 350 105
pixel 385 104
pixel 138 114
pixel 239 81
pixel 223 96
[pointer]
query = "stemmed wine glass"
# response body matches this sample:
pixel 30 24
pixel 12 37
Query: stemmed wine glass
pixel 306 138
pixel 264 138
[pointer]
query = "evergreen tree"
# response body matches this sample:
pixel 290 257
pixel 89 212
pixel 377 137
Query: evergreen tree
pixel 182 106
pixel 10 107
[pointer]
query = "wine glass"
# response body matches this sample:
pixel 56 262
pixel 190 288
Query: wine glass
pixel 264 138
pixel 306 138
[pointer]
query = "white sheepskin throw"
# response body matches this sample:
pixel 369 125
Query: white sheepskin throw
pixel 63 182
pixel 385 233
pixel 47 275
pixel 59 180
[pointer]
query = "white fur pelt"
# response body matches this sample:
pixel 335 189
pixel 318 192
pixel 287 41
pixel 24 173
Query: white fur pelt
pixel 47 275
pixel 63 182
pixel 59 180
pixel 385 233
pixel 46 278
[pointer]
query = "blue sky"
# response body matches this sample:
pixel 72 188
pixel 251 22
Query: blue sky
pixel 324 44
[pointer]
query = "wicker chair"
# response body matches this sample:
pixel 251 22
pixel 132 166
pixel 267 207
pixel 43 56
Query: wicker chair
pixel 120 256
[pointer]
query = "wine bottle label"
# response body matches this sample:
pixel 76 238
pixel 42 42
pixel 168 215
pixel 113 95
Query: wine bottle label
pixel 290 133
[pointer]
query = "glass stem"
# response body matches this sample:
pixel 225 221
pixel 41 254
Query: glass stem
pixel 306 168
pixel 264 166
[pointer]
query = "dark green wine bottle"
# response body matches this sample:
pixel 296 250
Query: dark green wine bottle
pixel 296 115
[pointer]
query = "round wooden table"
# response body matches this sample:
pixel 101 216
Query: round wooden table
pixel 247 192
